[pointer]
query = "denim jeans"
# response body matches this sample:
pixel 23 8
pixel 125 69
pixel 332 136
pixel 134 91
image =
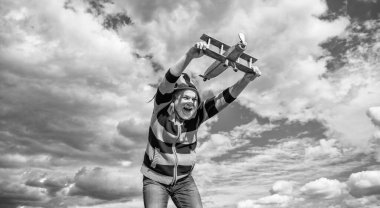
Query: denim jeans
pixel 184 194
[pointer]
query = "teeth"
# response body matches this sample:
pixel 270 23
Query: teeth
pixel 187 108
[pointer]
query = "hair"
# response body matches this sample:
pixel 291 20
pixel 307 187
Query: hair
pixel 178 91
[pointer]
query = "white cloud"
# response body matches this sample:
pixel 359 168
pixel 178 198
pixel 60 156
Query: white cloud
pixel 324 188
pixel 325 149
pixel 283 187
pixel 374 114
pixel 275 200
pixel 103 184
pixel 216 145
pixel 364 183
pixel 367 202
pixel 221 143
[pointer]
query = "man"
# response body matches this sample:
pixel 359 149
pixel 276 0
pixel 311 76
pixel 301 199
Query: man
pixel 178 112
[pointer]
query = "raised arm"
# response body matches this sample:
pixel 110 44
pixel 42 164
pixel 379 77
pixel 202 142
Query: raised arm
pixel 240 85
pixel 214 105
pixel 194 52
pixel 166 87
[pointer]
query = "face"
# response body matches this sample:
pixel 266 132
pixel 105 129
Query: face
pixel 186 103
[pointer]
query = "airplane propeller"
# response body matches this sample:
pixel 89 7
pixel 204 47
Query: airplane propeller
pixel 242 39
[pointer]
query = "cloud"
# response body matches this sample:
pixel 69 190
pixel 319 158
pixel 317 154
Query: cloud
pixel 132 129
pixel 364 183
pixel 74 93
pixel 221 143
pixel 374 114
pixel 11 194
pixel 216 145
pixel 283 187
pixel 324 188
pixel 368 202
pixel 268 201
pixel 51 184
pixel 103 184
pixel 325 149
pixel 63 95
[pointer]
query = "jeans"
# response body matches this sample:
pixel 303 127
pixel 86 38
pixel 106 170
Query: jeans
pixel 184 194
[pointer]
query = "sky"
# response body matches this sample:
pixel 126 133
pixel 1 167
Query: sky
pixel 76 77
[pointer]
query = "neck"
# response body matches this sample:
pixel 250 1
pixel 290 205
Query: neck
pixel 177 117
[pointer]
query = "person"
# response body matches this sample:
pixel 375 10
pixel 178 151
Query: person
pixel 177 114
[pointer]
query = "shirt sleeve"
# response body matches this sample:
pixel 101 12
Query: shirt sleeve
pixel 214 105
pixel 165 90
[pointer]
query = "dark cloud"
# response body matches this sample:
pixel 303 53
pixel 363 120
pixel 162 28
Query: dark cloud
pixel 13 194
pixel 363 9
pixel 68 5
pixel 356 9
pixel 52 185
pixel 360 36
pixel 134 130
pixel 156 65
pixel 361 32
pixel 335 8
pixel 44 117
pixel 97 7
pixel 147 10
pixel 116 21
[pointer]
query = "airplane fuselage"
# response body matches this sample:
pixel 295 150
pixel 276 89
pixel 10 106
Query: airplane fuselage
pixel 218 67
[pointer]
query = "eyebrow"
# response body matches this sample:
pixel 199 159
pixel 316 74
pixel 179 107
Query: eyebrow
pixel 188 96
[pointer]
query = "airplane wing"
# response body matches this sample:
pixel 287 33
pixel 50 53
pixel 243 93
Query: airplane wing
pixel 214 42
pixel 234 56
pixel 244 68
pixel 218 44
pixel 247 57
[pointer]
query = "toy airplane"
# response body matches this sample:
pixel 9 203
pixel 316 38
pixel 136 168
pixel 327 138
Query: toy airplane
pixel 227 56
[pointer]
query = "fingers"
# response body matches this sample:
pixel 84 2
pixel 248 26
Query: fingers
pixel 201 45
pixel 252 76
pixel 257 71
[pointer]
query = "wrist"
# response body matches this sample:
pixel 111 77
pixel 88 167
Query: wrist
pixel 190 54
pixel 246 80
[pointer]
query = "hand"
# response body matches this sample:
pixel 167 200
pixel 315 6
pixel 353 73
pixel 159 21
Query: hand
pixel 197 50
pixel 251 76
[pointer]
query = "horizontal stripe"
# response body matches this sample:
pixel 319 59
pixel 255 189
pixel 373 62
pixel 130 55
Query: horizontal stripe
pixel 169 159
pixel 194 123
pixel 163 98
pixel 227 96
pixel 210 108
pixel 184 170
pixel 147 172
pixel 170 77
pixel 162 146
pixel 167 147
pixel 167 170
pixel 155 176
pixel 220 103
pixel 161 134
pixel 187 137
pixel 164 169
pixel 186 148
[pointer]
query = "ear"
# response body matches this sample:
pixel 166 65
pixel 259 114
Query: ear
pixel 171 108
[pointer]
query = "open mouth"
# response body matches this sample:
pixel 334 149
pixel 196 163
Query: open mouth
pixel 187 109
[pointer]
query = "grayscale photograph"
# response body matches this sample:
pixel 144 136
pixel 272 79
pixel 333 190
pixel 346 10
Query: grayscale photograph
pixel 189 104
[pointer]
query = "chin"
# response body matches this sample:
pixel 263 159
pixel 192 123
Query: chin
pixel 187 117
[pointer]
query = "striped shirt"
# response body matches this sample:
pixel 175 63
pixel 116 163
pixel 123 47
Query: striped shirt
pixel 170 152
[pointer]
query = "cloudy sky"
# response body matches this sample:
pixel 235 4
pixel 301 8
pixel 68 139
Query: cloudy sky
pixel 76 75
